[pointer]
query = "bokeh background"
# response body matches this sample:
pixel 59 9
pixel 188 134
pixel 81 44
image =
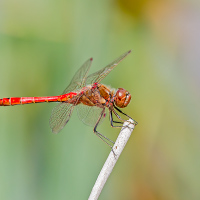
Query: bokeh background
pixel 43 43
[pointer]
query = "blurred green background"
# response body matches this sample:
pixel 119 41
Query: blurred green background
pixel 43 43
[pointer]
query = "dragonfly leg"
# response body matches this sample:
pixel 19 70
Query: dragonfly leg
pixel 116 114
pixel 123 114
pixel 119 122
pixel 102 137
pixel 113 121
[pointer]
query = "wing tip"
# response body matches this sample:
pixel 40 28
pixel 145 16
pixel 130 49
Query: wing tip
pixel 54 131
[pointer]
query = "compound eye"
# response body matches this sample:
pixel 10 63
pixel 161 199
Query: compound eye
pixel 122 98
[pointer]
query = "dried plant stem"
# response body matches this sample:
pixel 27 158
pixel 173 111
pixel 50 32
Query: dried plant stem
pixel 118 147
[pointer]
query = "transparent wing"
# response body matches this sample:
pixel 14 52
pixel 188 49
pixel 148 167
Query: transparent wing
pixel 89 114
pixel 60 116
pixel 101 74
pixel 79 78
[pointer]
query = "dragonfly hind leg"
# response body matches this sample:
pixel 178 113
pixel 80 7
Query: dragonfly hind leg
pixel 101 136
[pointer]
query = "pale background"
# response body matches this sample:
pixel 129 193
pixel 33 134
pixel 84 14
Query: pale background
pixel 43 43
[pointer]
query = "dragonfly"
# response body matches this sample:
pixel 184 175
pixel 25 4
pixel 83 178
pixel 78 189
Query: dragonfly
pixel 88 95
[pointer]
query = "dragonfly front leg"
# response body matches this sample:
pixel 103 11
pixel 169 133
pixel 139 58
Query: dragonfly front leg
pixel 102 137
pixel 112 121
pixel 135 123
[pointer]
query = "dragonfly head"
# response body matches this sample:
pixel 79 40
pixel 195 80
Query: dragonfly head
pixel 122 98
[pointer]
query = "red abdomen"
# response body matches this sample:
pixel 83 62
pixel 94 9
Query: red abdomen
pixel 26 100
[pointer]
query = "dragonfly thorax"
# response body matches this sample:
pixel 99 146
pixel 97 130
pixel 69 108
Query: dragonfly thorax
pixel 122 98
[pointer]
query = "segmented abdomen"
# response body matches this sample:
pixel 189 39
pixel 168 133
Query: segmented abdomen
pixel 27 100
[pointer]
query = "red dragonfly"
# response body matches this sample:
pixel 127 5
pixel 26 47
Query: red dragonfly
pixel 88 95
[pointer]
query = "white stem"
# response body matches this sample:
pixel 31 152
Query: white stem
pixel 118 147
